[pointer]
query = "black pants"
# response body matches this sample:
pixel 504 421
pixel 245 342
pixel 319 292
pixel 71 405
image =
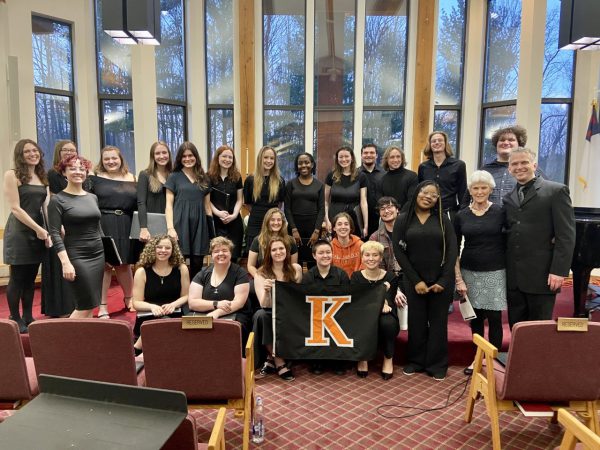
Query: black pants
pixel 524 307
pixel 494 319
pixel 428 330
pixel 20 289
pixel 262 326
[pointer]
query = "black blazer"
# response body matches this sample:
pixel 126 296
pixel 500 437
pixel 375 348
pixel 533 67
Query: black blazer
pixel 541 236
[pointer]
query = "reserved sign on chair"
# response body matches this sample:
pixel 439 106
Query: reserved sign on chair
pixel 196 322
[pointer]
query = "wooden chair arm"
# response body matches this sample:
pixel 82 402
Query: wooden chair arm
pixel 217 436
pixel 576 431
pixel 484 345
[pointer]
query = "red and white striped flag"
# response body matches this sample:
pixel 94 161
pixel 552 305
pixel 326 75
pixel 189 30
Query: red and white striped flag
pixel 587 192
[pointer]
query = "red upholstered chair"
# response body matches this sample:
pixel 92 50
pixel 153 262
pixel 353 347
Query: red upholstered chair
pixel 544 365
pixel 90 349
pixel 206 364
pixel 576 432
pixel 18 381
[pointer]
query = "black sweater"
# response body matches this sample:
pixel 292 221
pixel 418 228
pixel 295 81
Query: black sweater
pixel 400 184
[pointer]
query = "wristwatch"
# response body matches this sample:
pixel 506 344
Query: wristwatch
pixel 215 304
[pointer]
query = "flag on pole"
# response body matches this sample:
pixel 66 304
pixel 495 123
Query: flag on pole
pixel 588 181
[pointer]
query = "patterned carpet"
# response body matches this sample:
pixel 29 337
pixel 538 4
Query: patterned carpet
pixel 344 412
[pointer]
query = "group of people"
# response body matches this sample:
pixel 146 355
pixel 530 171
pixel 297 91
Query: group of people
pixel 390 225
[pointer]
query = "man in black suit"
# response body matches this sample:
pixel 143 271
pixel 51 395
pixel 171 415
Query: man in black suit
pixel 541 238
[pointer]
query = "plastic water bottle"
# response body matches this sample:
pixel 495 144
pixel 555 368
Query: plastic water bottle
pixel 258 423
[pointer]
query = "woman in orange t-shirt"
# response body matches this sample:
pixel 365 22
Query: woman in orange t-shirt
pixel 346 246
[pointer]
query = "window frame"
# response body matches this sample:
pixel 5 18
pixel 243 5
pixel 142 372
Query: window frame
pixel 60 92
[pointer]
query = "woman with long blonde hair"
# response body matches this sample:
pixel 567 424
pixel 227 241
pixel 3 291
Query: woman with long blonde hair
pixel 262 191
pixel 151 195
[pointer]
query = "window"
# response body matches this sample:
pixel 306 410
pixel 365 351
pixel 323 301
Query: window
pixel 219 72
pixel 501 70
pixel 557 100
pixel 170 75
pixel 449 68
pixel 114 92
pixel 335 27
pixel 52 51
pixel 284 80
pixel 384 73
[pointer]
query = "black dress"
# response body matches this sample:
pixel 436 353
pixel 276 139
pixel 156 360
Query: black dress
pixel 345 196
pixel 224 196
pixel 259 206
pixel 189 215
pixel 55 300
pixel 117 201
pixel 159 290
pixel 80 217
pixel 304 210
pixel 21 245
pixel 389 327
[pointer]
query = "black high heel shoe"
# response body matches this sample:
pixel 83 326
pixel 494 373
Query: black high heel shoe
pixel 362 373
pixel 386 376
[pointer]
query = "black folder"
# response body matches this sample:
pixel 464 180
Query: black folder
pixel 111 254
pixel 220 199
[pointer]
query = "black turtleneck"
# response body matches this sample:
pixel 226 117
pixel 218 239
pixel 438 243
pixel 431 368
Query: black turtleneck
pixel 399 183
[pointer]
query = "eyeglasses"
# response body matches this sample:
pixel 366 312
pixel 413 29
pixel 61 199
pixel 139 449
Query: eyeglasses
pixel 431 195
pixel 68 150
pixel 387 208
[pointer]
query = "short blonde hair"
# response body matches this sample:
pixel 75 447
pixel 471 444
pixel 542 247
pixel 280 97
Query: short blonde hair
pixel 527 151
pixel 221 241
pixel 372 246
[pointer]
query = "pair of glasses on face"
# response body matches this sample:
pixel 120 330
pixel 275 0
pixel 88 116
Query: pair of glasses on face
pixel 387 208
pixel 431 195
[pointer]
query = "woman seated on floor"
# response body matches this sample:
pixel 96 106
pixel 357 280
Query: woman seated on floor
pixel 346 246
pixel 277 266
pixel 160 284
pixel 221 289
pixel 372 254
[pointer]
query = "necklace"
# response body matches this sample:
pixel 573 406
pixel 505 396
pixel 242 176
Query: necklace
pixel 216 281
pixel 370 279
pixel 480 212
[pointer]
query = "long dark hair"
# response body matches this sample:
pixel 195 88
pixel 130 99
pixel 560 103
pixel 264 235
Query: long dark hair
pixel 266 270
pixel 410 212
pixel 201 178
pixel 20 166
pixel 214 170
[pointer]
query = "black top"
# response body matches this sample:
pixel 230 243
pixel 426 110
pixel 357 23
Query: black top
pixel 400 184
pixel 359 278
pixel 421 258
pixel 255 247
pixel 262 204
pixel 451 176
pixel 304 200
pixel 335 277
pixel 162 290
pixel 148 201
pixel 485 242
pixel 223 194
pixel 374 179
pixel 224 291
pixel 345 195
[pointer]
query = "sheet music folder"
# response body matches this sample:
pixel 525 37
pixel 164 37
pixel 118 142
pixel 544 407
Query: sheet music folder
pixel 220 199
pixel 111 254
pixel 156 222
pixel 92 415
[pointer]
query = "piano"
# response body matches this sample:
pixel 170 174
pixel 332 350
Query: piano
pixel 586 255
